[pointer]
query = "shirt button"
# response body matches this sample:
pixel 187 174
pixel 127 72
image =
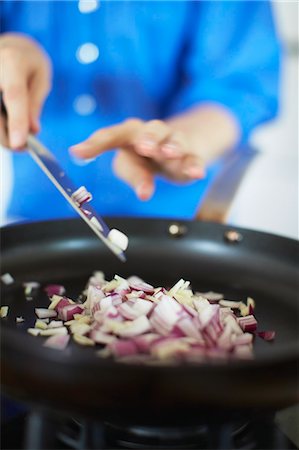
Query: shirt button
pixel 84 104
pixel 87 6
pixel 87 53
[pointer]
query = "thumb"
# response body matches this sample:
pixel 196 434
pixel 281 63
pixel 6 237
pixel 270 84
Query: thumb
pixel 135 171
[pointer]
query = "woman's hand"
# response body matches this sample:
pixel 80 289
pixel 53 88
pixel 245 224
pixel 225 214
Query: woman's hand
pixel 25 80
pixel 145 148
pixel 179 148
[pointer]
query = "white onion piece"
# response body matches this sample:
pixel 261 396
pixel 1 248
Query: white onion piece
pixel 55 299
pixel 102 338
pixel 176 287
pixel 20 319
pixel 55 324
pixel 230 304
pixel 200 303
pixel 118 238
pixel 44 313
pixel 33 331
pixel 40 324
pixel 7 278
pixel 54 331
pixel 30 286
pixel 4 311
pixel 83 340
pixel 135 327
pixel 80 328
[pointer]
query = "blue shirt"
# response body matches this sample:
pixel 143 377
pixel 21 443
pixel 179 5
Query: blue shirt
pixel 148 59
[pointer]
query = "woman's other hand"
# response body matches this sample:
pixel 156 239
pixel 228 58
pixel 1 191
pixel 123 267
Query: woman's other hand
pixel 178 148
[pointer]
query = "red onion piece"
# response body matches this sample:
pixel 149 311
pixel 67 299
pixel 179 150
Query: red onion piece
pixel 248 323
pixel 67 312
pixel 58 342
pixel 54 289
pixel 81 195
pixel 141 286
pixel 267 335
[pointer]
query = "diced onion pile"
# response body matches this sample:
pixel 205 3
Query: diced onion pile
pixel 136 322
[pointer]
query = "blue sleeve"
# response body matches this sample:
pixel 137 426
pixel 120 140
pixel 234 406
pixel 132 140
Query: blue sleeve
pixel 232 59
pixel 6 11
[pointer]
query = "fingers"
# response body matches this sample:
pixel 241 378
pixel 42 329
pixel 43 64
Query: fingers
pixel 189 167
pixel 150 136
pixel 107 139
pixel 15 97
pixel 135 171
pixel 16 102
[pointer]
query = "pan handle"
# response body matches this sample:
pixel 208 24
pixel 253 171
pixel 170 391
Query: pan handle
pixel 220 195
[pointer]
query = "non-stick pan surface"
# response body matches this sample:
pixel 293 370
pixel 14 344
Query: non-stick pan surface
pixel 261 266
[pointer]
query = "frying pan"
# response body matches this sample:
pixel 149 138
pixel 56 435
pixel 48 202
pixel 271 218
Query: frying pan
pixel 259 265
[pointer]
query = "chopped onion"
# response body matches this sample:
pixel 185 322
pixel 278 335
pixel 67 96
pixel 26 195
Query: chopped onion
pixel 40 324
pixel 212 297
pixel 29 287
pixel 118 238
pixel 20 319
pixel 7 278
pixel 55 324
pixel 79 328
pixel 44 313
pixel 138 323
pixel 4 311
pixel 81 195
pixel 83 340
pixel 67 312
pixel 230 304
pixel 267 335
pixel 54 289
pixel 33 331
pixel 54 331
pixel 248 323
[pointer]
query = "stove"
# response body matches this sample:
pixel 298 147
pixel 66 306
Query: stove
pixel 39 430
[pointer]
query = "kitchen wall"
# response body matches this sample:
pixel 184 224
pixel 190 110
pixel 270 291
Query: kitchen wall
pixel 268 197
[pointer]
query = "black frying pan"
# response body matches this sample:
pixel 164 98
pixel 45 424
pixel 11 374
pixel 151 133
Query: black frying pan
pixel 261 265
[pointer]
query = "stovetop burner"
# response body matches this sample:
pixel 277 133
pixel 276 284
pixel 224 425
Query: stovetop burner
pixel 39 431
pixel 169 438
